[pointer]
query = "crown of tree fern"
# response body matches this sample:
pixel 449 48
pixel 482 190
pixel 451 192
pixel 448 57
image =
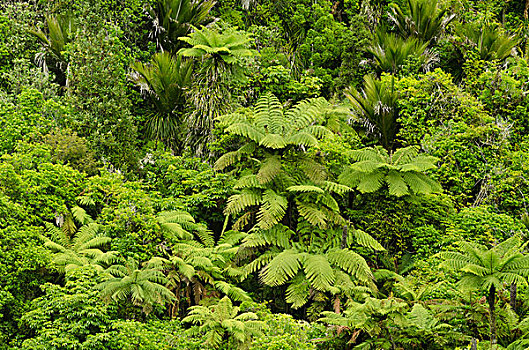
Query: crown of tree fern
pixel 196 271
pixel 285 175
pixel 74 247
pixel 488 269
pixel 401 171
pixel 142 286
pixel 224 320
pixel 315 265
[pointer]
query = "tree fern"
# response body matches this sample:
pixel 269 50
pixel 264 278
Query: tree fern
pixel 74 247
pixel 400 171
pixel 143 287
pixel 223 320
pixel 488 269
pixel 284 172
pixel 308 268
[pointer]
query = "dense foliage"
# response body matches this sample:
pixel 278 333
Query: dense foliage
pixel 264 174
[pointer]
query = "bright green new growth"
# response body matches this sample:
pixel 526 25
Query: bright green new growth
pixel 401 171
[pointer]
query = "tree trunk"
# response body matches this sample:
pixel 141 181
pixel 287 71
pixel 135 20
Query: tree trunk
pixel 474 344
pixel 344 237
pixel 526 9
pixel 512 302
pixel 492 315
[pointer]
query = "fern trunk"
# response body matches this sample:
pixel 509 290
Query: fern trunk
pixel 512 300
pixel 474 344
pixel 492 315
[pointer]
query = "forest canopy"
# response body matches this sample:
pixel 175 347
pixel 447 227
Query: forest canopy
pixel 264 174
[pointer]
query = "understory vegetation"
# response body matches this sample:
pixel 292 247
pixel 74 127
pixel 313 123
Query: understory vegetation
pixel 264 174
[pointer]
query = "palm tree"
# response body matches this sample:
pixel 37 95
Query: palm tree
pixel 488 269
pixel 173 19
pixel 145 287
pixel 165 80
pixel 376 107
pixel 402 171
pixel 222 321
pixel 246 4
pixel 74 247
pixel 421 19
pixel 221 52
pixel 391 52
pixel 285 177
pixel 311 261
pixel 61 31
pixel 490 41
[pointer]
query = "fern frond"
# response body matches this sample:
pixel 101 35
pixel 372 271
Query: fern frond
pixel 269 169
pixel 318 271
pixel 297 292
pixel 366 240
pixel 238 202
pixel 282 267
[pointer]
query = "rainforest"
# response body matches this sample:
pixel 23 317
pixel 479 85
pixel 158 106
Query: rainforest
pixel 264 174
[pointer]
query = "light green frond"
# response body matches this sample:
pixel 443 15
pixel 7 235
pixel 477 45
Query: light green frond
pixel 238 202
pixel 371 182
pixel 396 184
pixel 302 139
pixel 274 141
pixel 283 266
pixel 366 240
pixel 257 263
pixel 272 209
pixel 248 181
pixel 80 215
pixel 318 271
pixel 269 169
pixel 226 160
pixel 305 188
pixel 366 166
pixel 235 293
pixel 312 214
pixel 351 262
pixel 297 292
pixel 247 130
pixel 334 187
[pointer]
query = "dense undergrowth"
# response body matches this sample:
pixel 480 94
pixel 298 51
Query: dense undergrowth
pixel 264 174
